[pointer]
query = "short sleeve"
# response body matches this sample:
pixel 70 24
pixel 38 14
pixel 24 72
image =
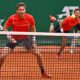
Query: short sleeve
pixel 32 21
pixel 9 21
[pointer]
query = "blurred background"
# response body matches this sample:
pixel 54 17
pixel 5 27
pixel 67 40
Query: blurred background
pixel 40 9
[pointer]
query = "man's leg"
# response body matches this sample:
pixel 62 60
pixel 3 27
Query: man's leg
pixel 57 29
pixel 32 47
pixel 3 55
pixel 36 53
pixel 1 62
pixel 5 51
pixel 64 41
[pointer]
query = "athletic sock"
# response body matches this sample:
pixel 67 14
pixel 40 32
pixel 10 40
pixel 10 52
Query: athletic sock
pixel 42 69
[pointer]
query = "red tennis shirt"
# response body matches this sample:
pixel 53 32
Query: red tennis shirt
pixel 69 23
pixel 20 24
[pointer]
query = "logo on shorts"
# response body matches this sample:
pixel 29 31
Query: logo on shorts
pixel 66 11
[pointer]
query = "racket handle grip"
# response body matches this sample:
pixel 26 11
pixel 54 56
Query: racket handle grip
pixel 11 39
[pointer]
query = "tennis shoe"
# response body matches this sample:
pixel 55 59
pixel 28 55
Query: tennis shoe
pixel 45 75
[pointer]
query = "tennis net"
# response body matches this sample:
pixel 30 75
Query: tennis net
pixel 21 64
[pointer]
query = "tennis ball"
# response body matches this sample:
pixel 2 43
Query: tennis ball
pixel 73 16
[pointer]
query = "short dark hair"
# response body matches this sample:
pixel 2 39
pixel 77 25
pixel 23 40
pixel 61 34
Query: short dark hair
pixel 20 4
pixel 77 9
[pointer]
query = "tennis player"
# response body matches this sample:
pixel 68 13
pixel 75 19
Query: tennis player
pixel 65 26
pixel 22 22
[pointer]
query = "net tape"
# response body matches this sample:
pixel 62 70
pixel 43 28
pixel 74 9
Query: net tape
pixel 39 33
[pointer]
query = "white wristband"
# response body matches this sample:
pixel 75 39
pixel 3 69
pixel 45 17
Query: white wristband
pixel 9 37
pixel 61 29
pixel 34 38
pixel 1 28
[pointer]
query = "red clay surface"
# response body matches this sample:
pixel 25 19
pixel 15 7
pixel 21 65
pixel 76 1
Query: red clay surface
pixel 23 65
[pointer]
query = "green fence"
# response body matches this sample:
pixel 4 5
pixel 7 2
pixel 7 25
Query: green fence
pixel 40 9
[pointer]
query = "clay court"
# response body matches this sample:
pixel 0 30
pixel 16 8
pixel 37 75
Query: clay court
pixel 21 65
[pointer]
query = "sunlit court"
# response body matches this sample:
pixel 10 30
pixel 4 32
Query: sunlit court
pixel 21 64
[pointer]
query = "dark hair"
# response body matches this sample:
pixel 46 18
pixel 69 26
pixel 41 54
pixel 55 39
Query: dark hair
pixel 20 4
pixel 77 9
